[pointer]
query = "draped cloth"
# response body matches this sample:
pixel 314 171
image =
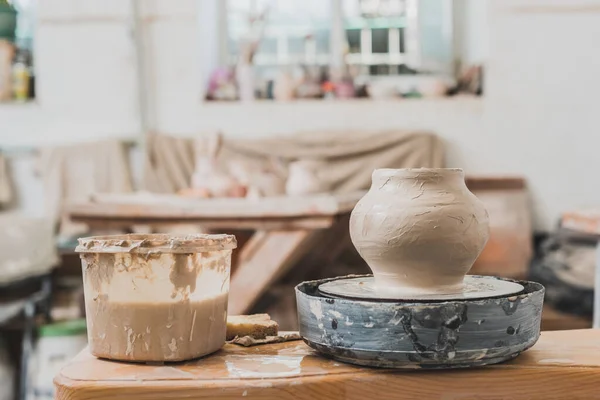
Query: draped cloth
pixel 348 158
pixel 72 173
pixel 6 188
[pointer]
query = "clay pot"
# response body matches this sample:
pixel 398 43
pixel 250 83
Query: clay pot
pixel 419 230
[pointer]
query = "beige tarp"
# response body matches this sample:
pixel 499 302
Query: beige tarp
pixel 349 157
pixel 27 247
pixel 74 172
pixel 6 193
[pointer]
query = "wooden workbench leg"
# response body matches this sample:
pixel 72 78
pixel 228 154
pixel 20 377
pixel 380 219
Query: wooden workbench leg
pixel 267 256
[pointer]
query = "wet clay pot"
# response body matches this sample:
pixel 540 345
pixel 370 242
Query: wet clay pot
pixel 419 230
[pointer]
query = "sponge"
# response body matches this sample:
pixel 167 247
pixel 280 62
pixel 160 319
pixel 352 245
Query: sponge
pixel 257 326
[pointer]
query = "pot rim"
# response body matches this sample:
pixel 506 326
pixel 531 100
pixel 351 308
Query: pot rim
pixel 417 172
pixel 156 243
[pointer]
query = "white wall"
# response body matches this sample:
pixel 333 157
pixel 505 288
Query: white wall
pixel 471 33
pixel 537 117
pixel 86 84
pixel 543 114
pixel 86 88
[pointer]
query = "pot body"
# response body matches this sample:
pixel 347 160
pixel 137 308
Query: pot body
pixel 419 230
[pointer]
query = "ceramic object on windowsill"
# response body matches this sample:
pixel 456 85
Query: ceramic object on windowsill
pixel 382 90
pixel 284 88
pixel 222 85
pixel 308 89
pixel 419 230
pixel 307 84
pixel 344 89
pixel 435 87
pixel 244 73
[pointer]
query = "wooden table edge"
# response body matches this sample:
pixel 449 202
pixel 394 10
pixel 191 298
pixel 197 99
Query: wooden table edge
pixel 283 223
pixel 573 379
pixel 329 205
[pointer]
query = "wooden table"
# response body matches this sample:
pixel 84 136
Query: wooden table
pixel 562 365
pixel 286 229
pixel 553 320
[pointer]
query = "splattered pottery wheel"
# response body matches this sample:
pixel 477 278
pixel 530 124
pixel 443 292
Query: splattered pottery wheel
pixel 464 330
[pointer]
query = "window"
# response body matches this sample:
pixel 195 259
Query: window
pixel 375 31
pixel 381 36
pixel 389 37
pixel 366 37
pixel 295 32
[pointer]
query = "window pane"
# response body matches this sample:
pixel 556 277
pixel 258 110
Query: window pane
pixel 374 32
pixel 435 34
pixel 380 8
pixel 295 31
pixel 374 13
pixel 378 31
pixel 322 39
pixel 353 36
pixel 379 40
pixel 25 22
pixel 402 47
pixel 379 70
pixel 268 45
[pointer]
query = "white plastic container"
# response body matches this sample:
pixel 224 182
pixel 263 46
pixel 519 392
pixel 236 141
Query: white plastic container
pixel 157 297
pixel 57 344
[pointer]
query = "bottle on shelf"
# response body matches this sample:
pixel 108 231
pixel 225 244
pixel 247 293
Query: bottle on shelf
pixel 21 77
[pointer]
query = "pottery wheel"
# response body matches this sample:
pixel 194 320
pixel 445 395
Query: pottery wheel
pixel 475 287
pixel 442 333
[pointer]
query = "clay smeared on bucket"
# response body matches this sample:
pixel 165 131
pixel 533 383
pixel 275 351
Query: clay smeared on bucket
pixel 156 297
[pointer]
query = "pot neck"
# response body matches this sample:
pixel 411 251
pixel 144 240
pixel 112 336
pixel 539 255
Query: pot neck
pixel 418 176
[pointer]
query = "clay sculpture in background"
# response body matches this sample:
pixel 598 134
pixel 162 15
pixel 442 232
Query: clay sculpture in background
pixel 209 180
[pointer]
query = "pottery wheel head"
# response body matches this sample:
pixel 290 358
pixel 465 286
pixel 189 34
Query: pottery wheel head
pixel 474 287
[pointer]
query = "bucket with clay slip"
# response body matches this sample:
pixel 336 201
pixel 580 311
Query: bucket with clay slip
pixel 156 297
